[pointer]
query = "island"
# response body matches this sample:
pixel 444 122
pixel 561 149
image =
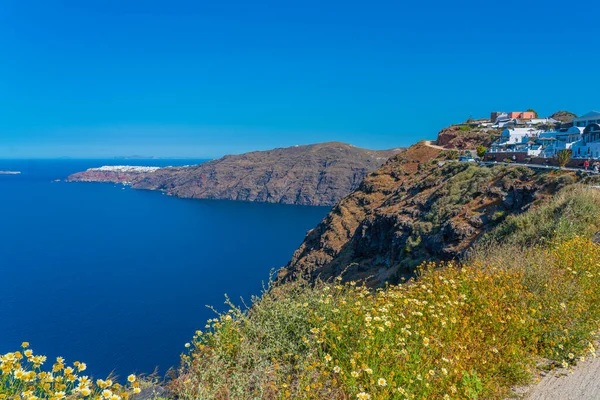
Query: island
pixel 318 174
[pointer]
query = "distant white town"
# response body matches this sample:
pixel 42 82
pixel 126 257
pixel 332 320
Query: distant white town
pixel 124 168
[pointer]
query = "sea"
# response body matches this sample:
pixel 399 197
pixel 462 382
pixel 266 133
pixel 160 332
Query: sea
pixel 120 278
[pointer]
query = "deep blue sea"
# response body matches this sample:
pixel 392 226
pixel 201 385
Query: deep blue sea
pixel 120 278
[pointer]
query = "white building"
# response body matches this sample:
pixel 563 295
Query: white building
pixel 538 121
pixel 518 140
pixel 593 117
pixel 503 120
pixel 589 145
pixel 555 141
pixel 583 139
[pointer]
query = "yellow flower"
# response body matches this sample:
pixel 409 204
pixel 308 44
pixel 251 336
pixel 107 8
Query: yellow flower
pixel 337 369
pixel 81 367
pixel 59 395
pixel 136 390
pixel 426 341
pixel 368 371
pixel 363 396
pixel 19 374
pixel 85 392
pixel 328 358
pixel 106 393
pixel 25 344
pixel 28 353
pixel 354 374
pixel 131 378
pixel 381 382
pixel 187 345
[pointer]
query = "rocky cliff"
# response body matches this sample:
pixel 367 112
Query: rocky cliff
pixel 463 138
pixel 418 206
pixel 319 174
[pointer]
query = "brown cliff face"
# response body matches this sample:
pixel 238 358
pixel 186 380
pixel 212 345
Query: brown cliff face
pixel 454 137
pixel 319 174
pixel 94 175
pixel 417 207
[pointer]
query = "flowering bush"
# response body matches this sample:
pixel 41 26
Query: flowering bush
pixel 23 378
pixel 455 332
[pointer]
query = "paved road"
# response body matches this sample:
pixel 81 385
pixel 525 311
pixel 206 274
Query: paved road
pixel 582 384
pixel 430 144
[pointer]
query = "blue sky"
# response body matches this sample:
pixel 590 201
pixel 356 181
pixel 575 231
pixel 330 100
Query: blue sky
pixel 206 78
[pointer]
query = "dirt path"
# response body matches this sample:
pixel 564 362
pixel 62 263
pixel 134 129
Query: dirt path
pixel 429 144
pixel 582 384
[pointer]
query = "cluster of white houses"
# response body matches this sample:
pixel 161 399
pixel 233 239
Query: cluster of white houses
pixel 526 140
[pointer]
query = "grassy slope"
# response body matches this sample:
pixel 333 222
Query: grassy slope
pixel 468 332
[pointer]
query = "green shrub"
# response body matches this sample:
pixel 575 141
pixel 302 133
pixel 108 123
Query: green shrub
pixel 575 210
pixel 452 154
pixel 481 151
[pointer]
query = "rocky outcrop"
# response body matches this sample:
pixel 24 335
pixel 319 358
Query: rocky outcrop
pixel 419 206
pixel 461 137
pixel 319 174
pixel 563 116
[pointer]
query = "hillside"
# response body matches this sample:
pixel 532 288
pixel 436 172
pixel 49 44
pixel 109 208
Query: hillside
pixel 319 174
pixel 474 331
pixel 418 207
pixel 563 116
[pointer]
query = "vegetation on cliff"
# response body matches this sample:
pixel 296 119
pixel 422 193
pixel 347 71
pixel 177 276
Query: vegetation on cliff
pixel 419 206
pixel 461 331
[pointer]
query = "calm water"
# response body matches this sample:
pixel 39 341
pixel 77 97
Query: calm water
pixel 120 278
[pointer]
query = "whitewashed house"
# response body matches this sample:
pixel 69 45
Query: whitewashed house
pixel 554 141
pixel 589 146
pixel 518 140
pixel 503 120
pixel 540 121
pixel 593 117
pixel 583 138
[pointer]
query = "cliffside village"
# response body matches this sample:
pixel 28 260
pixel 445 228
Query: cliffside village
pixel 527 138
